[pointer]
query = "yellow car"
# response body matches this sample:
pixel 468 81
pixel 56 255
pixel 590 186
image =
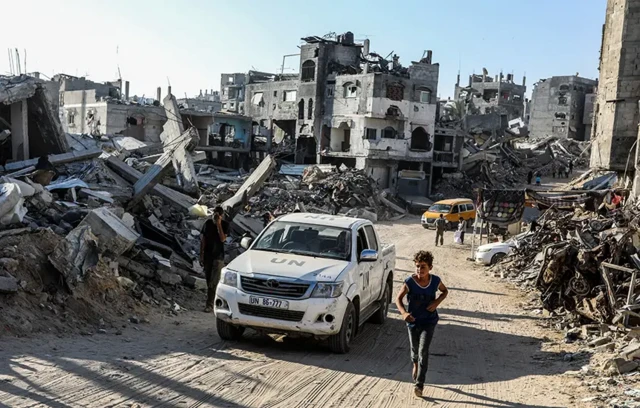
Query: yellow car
pixel 452 210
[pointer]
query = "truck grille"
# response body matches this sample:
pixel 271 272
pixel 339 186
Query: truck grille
pixel 271 313
pixel 281 288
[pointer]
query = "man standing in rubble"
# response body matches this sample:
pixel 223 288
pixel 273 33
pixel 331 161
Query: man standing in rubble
pixel 212 237
pixel 440 225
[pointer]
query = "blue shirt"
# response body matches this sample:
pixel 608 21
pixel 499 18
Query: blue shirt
pixel 419 299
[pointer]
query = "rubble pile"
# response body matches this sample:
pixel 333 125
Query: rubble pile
pixel 585 267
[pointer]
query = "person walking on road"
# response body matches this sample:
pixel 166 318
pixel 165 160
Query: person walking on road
pixel 529 176
pixel 212 237
pixel 421 315
pixel 570 166
pixel 440 225
pixel 538 178
pixel 554 169
pixel 462 227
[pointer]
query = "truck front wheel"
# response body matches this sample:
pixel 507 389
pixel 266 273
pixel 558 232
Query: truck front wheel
pixel 227 331
pixel 341 343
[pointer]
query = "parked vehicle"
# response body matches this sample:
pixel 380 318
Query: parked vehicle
pixel 452 210
pixel 490 254
pixel 308 275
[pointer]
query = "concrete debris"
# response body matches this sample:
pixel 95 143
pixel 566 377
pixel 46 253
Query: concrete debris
pixel 112 233
pixel 76 255
pixel 8 284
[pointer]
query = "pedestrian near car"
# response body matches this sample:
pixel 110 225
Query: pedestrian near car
pixel 554 169
pixel 570 166
pixel 529 177
pixel 441 223
pixel 212 237
pixel 462 227
pixel 538 178
pixel 421 314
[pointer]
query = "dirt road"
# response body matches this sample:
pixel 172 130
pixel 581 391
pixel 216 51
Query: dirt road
pixel 487 352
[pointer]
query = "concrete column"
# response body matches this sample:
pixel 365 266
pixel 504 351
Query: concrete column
pixel 159 94
pixel 19 131
pixel 126 90
pixel 169 90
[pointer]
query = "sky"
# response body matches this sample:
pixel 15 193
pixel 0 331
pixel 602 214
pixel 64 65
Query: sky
pixel 189 43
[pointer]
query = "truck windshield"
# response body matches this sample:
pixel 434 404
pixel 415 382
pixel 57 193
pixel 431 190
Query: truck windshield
pixel 440 208
pixel 306 239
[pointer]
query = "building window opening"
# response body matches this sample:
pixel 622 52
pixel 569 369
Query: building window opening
pixel 395 92
pixel 505 96
pixel 420 139
pixel 275 94
pixel 308 72
pixel 301 109
pixel 490 94
pixel 517 98
pixel 71 118
pixel 372 134
pixel 425 96
pixel 257 99
pixel 564 88
pixel 289 96
pixel 394 111
pixel 350 90
pixel 562 101
pixel 310 109
pixel 389 133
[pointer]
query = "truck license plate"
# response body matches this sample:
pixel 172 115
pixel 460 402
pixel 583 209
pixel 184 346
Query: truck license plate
pixel 268 302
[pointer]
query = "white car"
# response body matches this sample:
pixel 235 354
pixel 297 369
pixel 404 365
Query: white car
pixel 489 254
pixel 307 274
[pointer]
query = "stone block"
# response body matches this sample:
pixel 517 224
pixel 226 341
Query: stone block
pixel 168 278
pixel 620 366
pixel 195 283
pixel 8 284
pixel 113 235
pixel 631 352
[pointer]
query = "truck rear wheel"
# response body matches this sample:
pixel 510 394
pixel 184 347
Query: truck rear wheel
pixel 341 343
pixel 381 315
pixel 227 331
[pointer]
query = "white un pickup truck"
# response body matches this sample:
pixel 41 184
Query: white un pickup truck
pixel 308 275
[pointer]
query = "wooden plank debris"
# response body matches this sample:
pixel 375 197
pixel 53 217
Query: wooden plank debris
pixel 55 159
pixel 178 200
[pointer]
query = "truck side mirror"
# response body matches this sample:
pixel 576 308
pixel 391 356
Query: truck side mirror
pixel 246 242
pixel 369 255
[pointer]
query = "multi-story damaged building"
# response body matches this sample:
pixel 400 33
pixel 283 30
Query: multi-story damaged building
pixel 350 106
pixel 558 106
pixel 616 115
pixel 204 102
pixel 499 95
pixel 232 91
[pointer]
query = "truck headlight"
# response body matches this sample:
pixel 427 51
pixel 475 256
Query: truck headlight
pixel 230 278
pixel 327 290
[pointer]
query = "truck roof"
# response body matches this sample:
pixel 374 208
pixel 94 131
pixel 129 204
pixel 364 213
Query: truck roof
pixel 338 221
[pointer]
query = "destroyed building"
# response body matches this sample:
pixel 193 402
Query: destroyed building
pixel 350 106
pixel 29 125
pixel 204 102
pixel 500 95
pixel 558 107
pixel 232 91
pixel 616 115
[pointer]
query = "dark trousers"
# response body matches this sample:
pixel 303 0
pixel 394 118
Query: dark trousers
pixel 212 269
pixel 440 233
pixel 462 236
pixel 420 340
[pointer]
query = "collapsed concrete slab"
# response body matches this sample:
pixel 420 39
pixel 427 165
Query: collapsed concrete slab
pixel 114 236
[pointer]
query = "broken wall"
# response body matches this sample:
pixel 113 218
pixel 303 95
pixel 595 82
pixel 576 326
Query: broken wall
pixel 558 105
pixel 615 127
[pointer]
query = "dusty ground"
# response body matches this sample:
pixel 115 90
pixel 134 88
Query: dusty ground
pixel 487 352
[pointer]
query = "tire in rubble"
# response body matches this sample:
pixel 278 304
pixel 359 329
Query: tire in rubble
pixel 381 315
pixel 227 331
pixel 497 257
pixel 340 343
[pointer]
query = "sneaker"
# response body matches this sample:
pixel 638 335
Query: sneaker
pixel 417 391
